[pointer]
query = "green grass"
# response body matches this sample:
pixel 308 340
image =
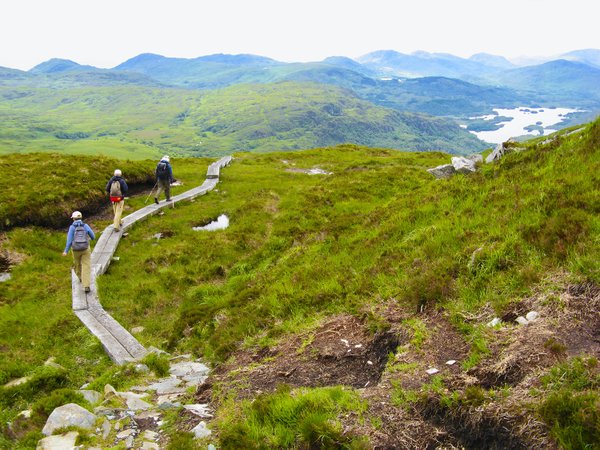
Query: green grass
pixel 290 419
pixel 300 248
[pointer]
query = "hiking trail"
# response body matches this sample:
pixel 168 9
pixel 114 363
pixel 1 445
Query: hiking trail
pixel 118 343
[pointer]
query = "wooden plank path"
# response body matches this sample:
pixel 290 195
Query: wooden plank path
pixel 119 344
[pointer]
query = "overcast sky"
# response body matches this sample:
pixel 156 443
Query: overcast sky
pixel 108 32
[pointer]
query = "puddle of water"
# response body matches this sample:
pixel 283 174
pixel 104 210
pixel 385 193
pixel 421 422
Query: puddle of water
pixel 221 223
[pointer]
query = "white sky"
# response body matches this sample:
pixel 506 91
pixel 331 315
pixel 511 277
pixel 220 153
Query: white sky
pixel 104 33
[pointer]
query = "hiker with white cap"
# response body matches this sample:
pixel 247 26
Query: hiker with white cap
pixel 164 178
pixel 78 240
pixel 117 188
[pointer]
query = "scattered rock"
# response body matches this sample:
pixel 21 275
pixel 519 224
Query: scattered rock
pixel 4 276
pixel 522 320
pixel 443 171
pixel 137 330
pixel 25 414
pixel 125 433
pixel 167 386
pixel 129 442
pixel 451 362
pixel 106 427
pixel 500 150
pixel 151 435
pixel 90 396
pixel 69 415
pixel 495 321
pixel 199 410
pixel 532 315
pixel 476 158
pixel 201 430
pixel 109 391
pixel 463 165
pixel 58 442
pixel 432 371
pixel 134 402
pixel 17 382
pixel 141 368
pixel 149 446
pixel 169 405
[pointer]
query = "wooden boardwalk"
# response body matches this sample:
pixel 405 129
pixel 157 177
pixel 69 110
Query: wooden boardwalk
pixel 120 345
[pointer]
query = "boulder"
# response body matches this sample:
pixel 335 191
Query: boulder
pixel 69 415
pixel 58 442
pixel 497 153
pixel 443 171
pixel 201 430
pixel 91 396
pixel 532 315
pixel 463 165
pixel 476 158
pixel 17 382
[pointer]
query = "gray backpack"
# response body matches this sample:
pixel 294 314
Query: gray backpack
pixel 115 189
pixel 80 238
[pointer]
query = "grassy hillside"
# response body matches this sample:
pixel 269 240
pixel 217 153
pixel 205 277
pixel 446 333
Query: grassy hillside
pixel 408 270
pixel 139 123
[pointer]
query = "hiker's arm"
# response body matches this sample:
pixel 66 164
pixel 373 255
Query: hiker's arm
pixel 171 173
pixel 124 187
pixel 107 189
pixel 69 239
pixel 90 232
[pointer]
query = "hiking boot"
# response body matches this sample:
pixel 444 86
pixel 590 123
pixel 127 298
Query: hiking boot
pixel 155 200
pixel 117 230
pixel 86 289
pixel 168 199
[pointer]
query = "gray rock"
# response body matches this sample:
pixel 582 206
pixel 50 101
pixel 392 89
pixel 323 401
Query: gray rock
pixel 167 386
pixel 137 330
pixel 443 171
pixel 149 446
pixel 125 433
pixel 151 435
pixel 201 430
pixel 201 410
pixel 69 415
pixel 463 165
pixel 106 428
pixel 4 276
pixel 169 405
pixel 522 320
pixel 211 447
pixel 129 442
pixel 495 321
pixel 109 391
pixel 141 368
pixel 532 315
pixel 187 368
pixel 476 158
pixel 497 153
pixel 17 382
pixel 25 414
pixel 136 404
pixel 91 396
pixel 58 442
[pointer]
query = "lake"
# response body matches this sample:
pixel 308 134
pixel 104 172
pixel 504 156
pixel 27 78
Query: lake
pixel 523 117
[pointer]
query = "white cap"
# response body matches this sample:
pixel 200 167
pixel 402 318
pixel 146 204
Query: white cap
pixel 165 158
pixel 117 173
pixel 76 215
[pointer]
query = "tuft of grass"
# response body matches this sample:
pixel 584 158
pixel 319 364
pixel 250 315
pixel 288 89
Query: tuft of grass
pixel 289 418
pixel 158 363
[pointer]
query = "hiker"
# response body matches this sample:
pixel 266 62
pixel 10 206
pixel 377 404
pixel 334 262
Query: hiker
pixel 116 188
pixel 78 240
pixel 164 178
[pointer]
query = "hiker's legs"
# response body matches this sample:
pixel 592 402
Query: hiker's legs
pixel 163 185
pixel 86 267
pixel 118 210
pixel 77 263
pixel 159 188
pixel 168 190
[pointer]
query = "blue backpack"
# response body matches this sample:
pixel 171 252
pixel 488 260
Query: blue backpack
pixel 80 238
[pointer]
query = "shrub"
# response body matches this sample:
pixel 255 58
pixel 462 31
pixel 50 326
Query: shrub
pixel 45 379
pixel 45 405
pixel 159 364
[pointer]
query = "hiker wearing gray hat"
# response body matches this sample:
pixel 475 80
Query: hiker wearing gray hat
pixel 164 178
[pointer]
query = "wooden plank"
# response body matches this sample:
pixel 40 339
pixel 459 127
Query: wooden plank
pixel 113 348
pixel 78 296
pixel 131 344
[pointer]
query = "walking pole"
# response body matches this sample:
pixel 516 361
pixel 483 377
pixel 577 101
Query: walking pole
pixel 155 184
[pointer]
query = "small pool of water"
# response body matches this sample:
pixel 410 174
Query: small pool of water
pixel 221 223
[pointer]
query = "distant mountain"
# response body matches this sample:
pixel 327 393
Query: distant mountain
pixel 423 64
pixel 569 82
pixel 60 65
pixel 350 64
pixel 492 61
pixel 589 56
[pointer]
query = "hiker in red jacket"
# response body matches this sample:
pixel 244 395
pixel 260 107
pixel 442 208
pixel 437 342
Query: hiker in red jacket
pixel 116 188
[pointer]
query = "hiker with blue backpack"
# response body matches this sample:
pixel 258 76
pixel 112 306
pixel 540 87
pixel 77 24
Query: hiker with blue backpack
pixel 78 240
pixel 164 178
pixel 117 188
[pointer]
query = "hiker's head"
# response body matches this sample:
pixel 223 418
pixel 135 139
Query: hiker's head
pixel 118 173
pixel 76 215
pixel 165 158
